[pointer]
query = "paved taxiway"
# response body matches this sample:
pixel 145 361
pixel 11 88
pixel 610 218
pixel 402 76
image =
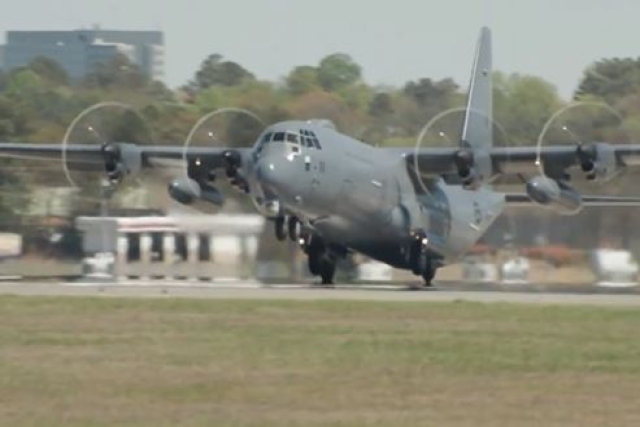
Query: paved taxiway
pixel 306 292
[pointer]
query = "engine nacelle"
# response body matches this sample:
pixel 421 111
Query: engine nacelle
pixel 465 165
pixel 598 161
pixel 120 160
pixel 554 195
pixel 188 192
pixel 233 162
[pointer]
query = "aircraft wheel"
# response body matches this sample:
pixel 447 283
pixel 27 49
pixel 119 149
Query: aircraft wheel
pixel 415 258
pixel 428 274
pixel 315 263
pixel 294 228
pixel 327 271
pixel 280 227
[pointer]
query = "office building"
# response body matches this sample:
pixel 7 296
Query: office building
pixel 79 51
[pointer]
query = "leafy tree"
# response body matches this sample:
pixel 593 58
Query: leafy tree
pixel 49 70
pixel 610 79
pixel 24 83
pixel 303 79
pixel 522 106
pixel 357 97
pixel 170 122
pixel 160 92
pixel 118 73
pixel 14 119
pixel 323 105
pixel 381 105
pixel 337 71
pixel 4 79
pixel 428 93
pixel 214 71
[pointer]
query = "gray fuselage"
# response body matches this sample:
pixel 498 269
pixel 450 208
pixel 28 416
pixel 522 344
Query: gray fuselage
pixel 364 198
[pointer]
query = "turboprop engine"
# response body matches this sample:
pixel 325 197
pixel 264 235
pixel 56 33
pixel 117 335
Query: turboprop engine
pixel 555 195
pixel 598 161
pixel 188 192
pixel 120 160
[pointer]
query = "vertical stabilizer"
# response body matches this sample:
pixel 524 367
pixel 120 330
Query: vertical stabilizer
pixel 477 130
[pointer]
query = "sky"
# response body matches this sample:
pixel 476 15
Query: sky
pixel 394 41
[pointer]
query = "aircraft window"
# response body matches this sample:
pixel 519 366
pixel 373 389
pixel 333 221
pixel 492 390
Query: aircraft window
pixel 303 132
pixel 292 137
pixel 306 142
pixel 267 137
pixel 278 137
pixel 317 143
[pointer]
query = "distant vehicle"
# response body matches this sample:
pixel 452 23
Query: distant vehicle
pixel 99 266
pixel 614 267
pixel 478 270
pixel 415 208
pixel 515 270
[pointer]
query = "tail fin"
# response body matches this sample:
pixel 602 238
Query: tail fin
pixel 477 130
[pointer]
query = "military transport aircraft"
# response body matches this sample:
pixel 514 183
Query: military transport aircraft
pixel 413 208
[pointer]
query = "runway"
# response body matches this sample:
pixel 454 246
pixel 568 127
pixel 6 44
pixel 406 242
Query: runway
pixel 257 291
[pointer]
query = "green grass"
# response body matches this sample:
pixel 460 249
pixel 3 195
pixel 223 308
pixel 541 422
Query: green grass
pixel 118 362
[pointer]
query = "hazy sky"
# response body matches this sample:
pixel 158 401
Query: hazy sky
pixel 394 41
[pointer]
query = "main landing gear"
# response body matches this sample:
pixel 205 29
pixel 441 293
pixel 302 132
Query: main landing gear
pixel 322 261
pixel 422 263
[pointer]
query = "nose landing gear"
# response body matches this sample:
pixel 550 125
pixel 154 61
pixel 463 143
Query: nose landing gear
pixel 280 228
pixel 287 226
pixel 422 263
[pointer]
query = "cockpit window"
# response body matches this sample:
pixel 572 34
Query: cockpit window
pixel 278 137
pixel 292 137
pixel 310 139
pixel 267 137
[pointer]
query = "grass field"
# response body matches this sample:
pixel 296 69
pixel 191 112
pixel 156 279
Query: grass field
pixel 117 362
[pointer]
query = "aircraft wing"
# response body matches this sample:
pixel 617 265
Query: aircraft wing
pixel 596 160
pixel 93 154
pixel 521 199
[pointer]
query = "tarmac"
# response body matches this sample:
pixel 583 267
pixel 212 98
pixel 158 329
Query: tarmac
pixel 306 292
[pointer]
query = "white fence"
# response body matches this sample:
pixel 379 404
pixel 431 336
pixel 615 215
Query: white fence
pixel 201 247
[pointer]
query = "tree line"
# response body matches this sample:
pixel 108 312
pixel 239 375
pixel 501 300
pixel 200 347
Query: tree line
pixel 38 101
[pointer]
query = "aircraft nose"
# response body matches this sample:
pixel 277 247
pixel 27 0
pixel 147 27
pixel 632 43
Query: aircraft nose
pixel 278 175
pixel 267 174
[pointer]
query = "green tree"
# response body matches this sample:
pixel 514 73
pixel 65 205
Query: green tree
pixel 381 105
pixel 4 80
pixel 610 79
pixel 431 94
pixel 24 83
pixel 303 79
pixel 49 70
pixel 337 71
pixel 14 119
pixel 522 106
pixel 214 71
pixel 324 105
pixel 118 73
